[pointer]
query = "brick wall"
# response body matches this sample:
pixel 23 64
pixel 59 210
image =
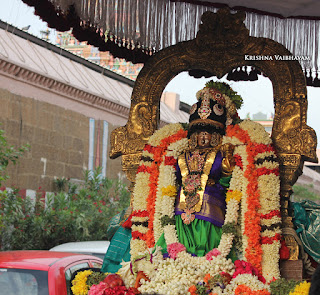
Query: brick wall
pixel 58 138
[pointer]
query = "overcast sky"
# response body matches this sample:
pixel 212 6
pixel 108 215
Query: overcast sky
pixel 258 95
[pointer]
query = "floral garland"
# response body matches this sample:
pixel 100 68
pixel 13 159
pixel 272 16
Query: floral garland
pixel 260 180
pixel 144 213
pixel 260 187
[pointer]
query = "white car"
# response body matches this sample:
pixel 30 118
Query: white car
pixel 96 248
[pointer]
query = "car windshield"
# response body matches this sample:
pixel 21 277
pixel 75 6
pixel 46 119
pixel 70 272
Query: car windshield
pixel 23 282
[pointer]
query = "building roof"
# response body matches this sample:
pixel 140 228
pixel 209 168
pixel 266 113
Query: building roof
pixel 26 57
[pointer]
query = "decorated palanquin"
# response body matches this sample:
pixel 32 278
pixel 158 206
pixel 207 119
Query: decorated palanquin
pixel 172 183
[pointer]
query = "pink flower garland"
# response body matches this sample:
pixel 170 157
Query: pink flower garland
pixel 98 289
pixel 214 252
pixel 174 249
pixel 103 289
pixel 243 267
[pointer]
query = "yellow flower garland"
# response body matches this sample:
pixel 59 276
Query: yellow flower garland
pixel 79 284
pixel 233 195
pixel 170 191
pixel 301 289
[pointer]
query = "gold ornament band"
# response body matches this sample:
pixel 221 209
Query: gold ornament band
pixel 204 178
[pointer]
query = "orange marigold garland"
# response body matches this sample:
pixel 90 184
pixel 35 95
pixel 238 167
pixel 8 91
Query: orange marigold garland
pixel 252 219
pixel 245 290
pixel 150 203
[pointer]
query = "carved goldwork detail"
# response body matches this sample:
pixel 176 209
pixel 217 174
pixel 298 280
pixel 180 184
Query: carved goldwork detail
pixel 221 45
pixel 293 247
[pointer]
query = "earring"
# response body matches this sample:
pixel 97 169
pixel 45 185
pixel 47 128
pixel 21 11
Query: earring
pixel 193 141
pixel 215 139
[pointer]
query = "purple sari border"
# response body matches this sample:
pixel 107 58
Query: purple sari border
pixel 214 222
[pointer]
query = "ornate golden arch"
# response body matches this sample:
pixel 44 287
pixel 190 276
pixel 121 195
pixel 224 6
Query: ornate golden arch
pixel 222 44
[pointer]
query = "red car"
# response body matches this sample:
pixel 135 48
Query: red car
pixel 41 272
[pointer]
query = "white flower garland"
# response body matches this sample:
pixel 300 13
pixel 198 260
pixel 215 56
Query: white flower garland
pixel 270 260
pixel 140 191
pixel 164 132
pixel 256 132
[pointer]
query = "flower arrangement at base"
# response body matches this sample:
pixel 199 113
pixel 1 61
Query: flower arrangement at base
pixel 245 282
pixel 88 282
pixel 174 276
pixel 225 283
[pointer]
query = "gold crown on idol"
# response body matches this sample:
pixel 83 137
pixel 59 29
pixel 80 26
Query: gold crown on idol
pixel 223 94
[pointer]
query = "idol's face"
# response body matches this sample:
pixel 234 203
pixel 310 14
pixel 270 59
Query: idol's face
pixel 204 138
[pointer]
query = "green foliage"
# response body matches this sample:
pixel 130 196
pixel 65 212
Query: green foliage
pixel 227 90
pixel 165 220
pixel 304 192
pixel 185 126
pixel 95 278
pixel 283 286
pixel 202 289
pixel 8 154
pixel 82 214
pixel 60 184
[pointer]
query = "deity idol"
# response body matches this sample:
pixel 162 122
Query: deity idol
pixel 203 171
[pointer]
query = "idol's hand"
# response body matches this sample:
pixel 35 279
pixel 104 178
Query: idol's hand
pixel 228 161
